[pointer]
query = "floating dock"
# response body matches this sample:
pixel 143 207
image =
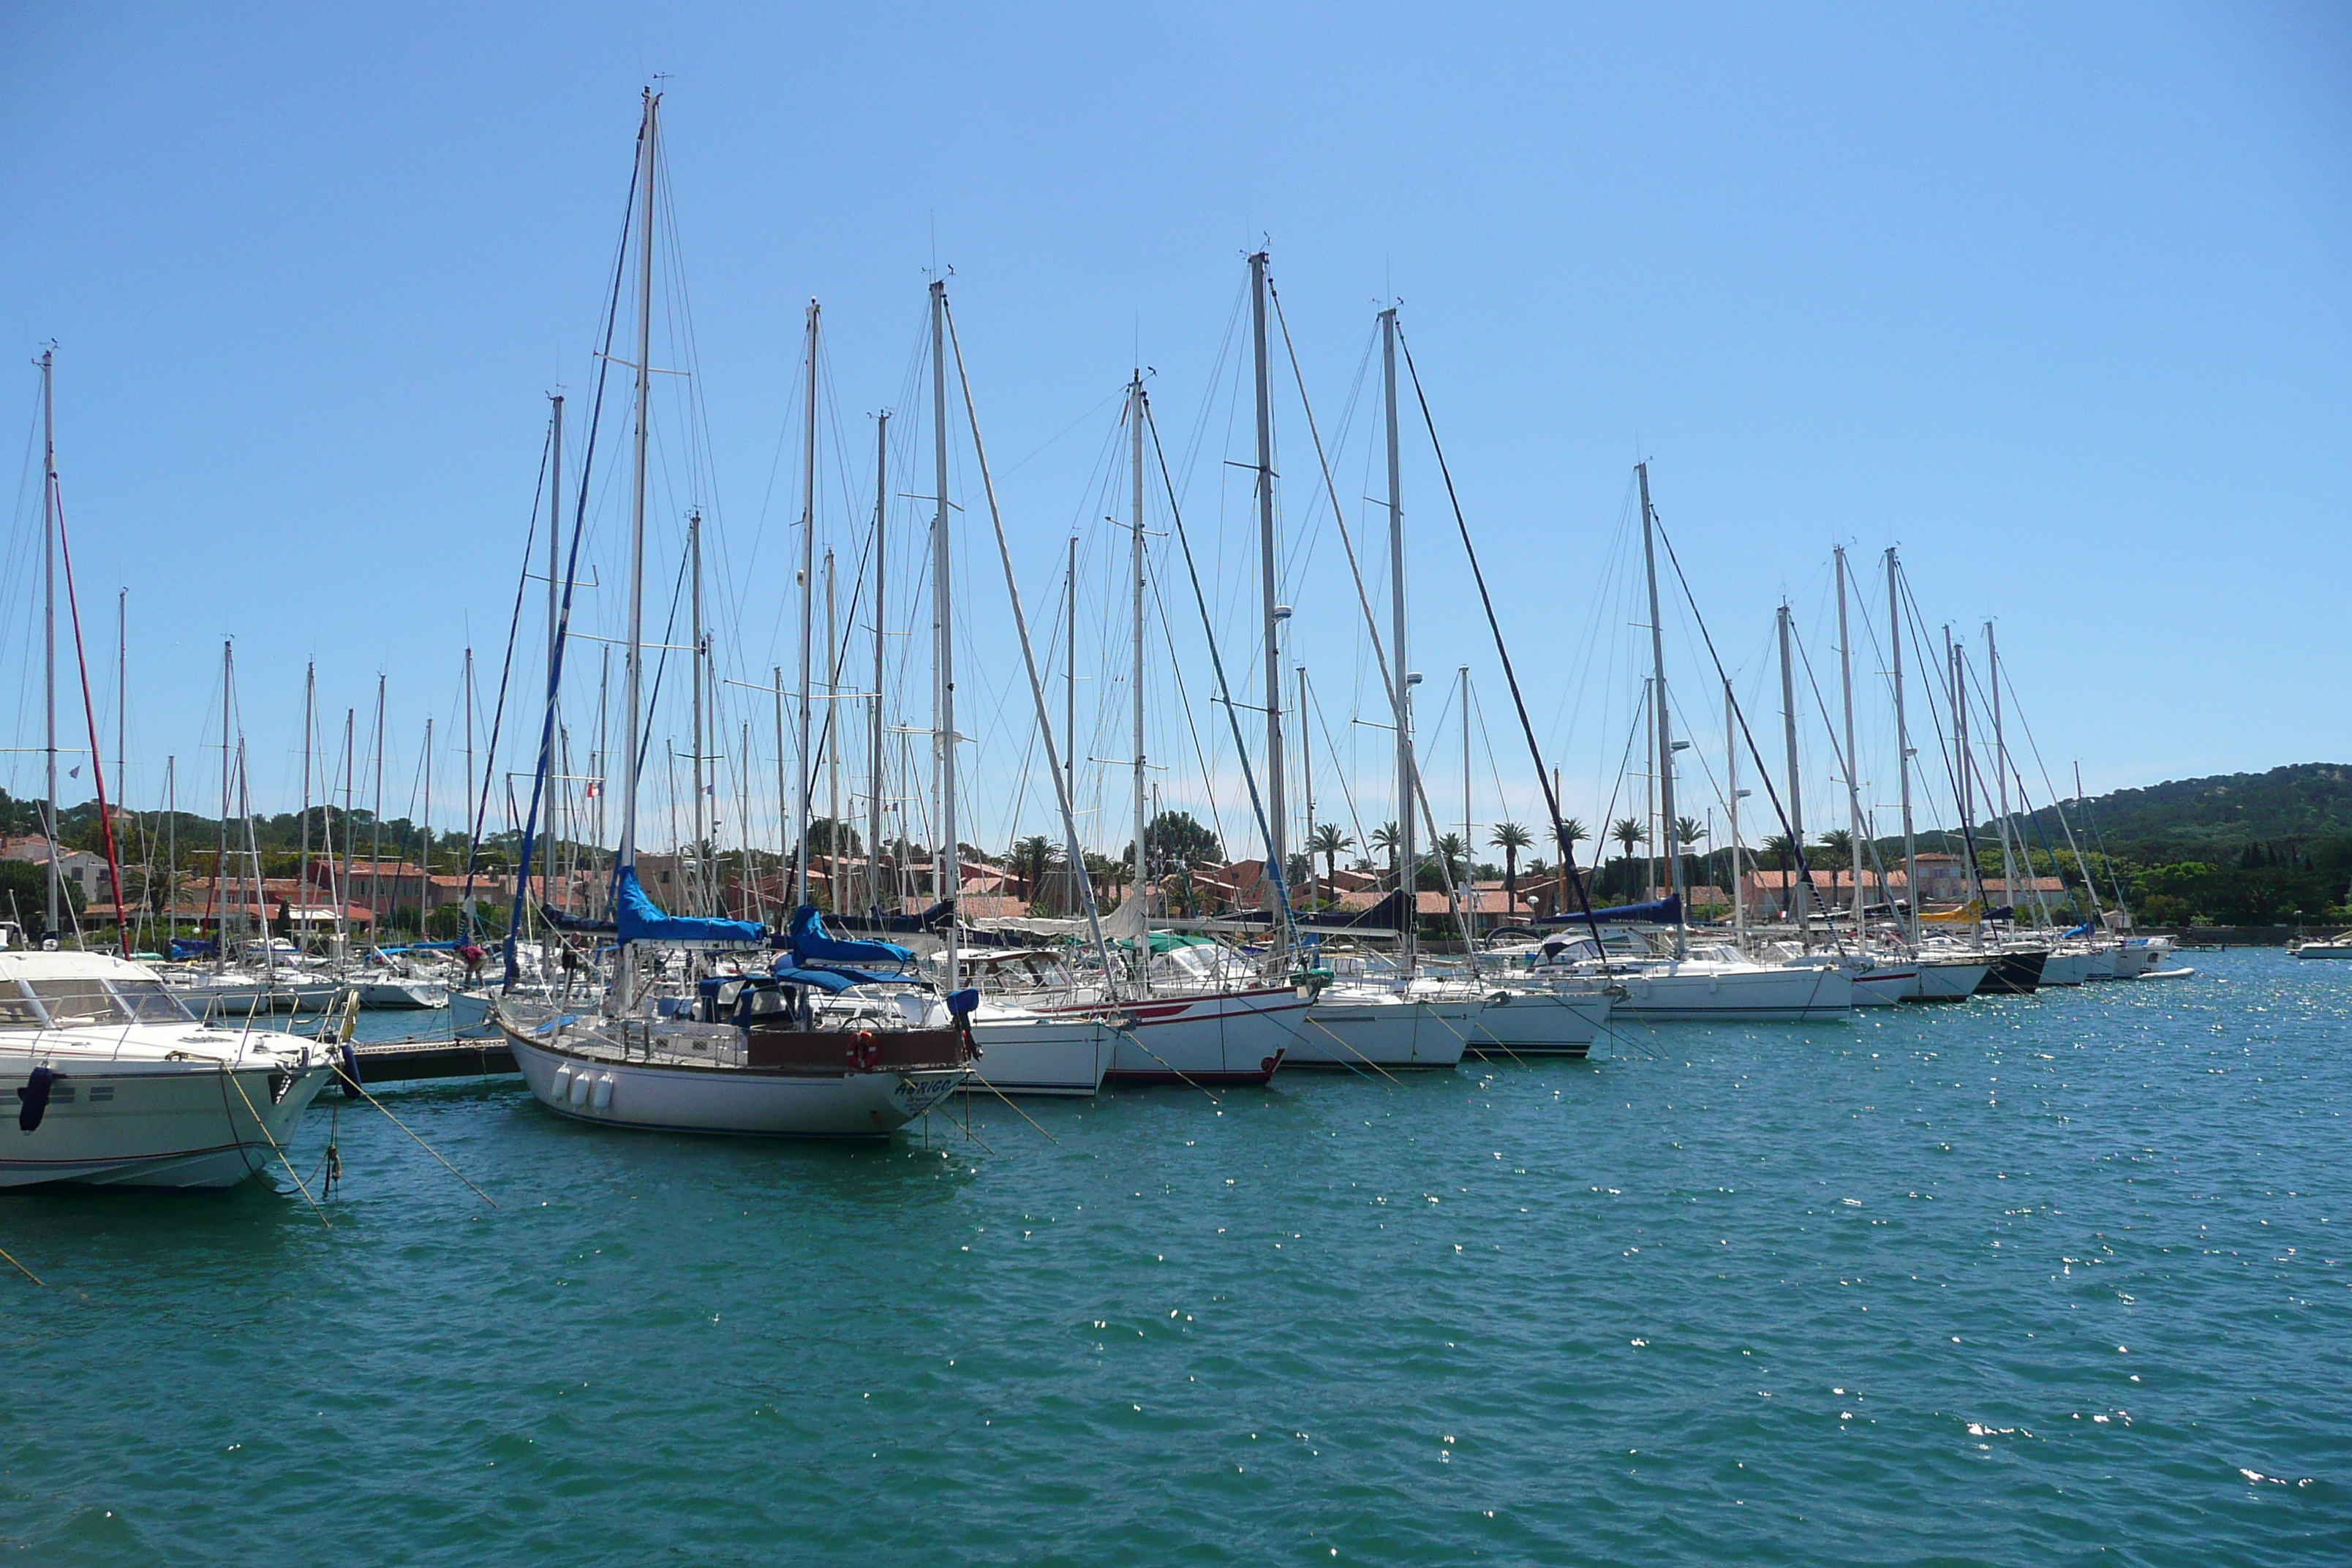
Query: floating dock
pixel 402 1061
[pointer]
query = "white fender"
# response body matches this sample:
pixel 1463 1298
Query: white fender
pixel 582 1083
pixel 602 1099
pixel 560 1090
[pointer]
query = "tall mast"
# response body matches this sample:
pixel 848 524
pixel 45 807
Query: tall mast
pixel 947 864
pixel 1401 683
pixel 1853 789
pixel 874 733
pixel 1138 883
pixel 1469 837
pixel 49 630
pixel 122 685
pixel 808 589
pixel 1071 871
pixel 1731 789
pixel 1277 868
pixel 554 528
pixel 832 743
pixel 700 880
pixel 1666 718
pixel 1903 745
pixel 1306 780
pixel 310 702
pixel 121 710
pixel 171 845
pixel 2001 768
pixel 1797 892
pixel 624 968
pixel 1955 687
pixel 344 889
pixel 424 862
pixel 378 909
pixel 783 791
pixel 220 861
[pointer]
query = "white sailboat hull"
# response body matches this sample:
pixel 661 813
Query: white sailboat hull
pixel 1947 982
pixel 1533 1023
pixel 1384 1031
pixel 692 1098
pixel 1035 1054
pixel 1674 992
pixel 2061 968
pixel 1231 1037
pixel 1884 985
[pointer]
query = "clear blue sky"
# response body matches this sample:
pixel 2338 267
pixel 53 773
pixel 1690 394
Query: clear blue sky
pixel 2059 299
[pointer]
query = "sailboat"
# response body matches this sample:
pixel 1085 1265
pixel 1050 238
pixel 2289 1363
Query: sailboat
pixel 819 1045
pixel 1709 981
pixel 1358 1023
pixel 1182 1009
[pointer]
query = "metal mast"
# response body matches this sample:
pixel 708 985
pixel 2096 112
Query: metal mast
pixel 694 679
pixel 1276 867
pixel 832 743
pixel 945 884
pixel 2000 770
pixel 1666 718
pixel 632 667
pixel 50 633
pixel 1139 885
pixel 1731 788
pixel 220 862
pixel 808 589
pixel 1401 683
pixel 1469 836
pixel 1903 746
pixel 874 734
pixel 1797 891
pixel 1071 871
pixel 554 528
pixel 1853 789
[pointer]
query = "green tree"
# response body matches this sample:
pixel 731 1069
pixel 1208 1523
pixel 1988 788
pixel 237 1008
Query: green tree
pixel 1630 835
pixel 1389 841
pixel 1510 838
pixel 1176 842
pixel 1781 850
pixel 1328 842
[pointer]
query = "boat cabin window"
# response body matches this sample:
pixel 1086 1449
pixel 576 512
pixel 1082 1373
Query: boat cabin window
pixel 767 1003
pixel 16 1010
pixel 151 1003
pixel 77 1003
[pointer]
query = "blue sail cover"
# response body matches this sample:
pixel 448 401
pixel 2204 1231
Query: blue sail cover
pixel 639 919
pixel 1665 911
pixel 812 943
pixel 834 980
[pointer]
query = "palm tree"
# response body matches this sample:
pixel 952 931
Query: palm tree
pixel 1510 839
pixel 1782 848
pixel 1386 839
pixel 1329 841
pixel 1630 834
pixel 1843 850
pixel 1687 835
pixel 1031 857
pixel 1454 852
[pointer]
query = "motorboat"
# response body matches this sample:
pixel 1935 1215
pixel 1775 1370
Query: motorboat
pixel 2323 947
pixel 117 1083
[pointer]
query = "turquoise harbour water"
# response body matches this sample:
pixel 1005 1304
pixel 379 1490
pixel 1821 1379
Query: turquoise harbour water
pixel 2053 1280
